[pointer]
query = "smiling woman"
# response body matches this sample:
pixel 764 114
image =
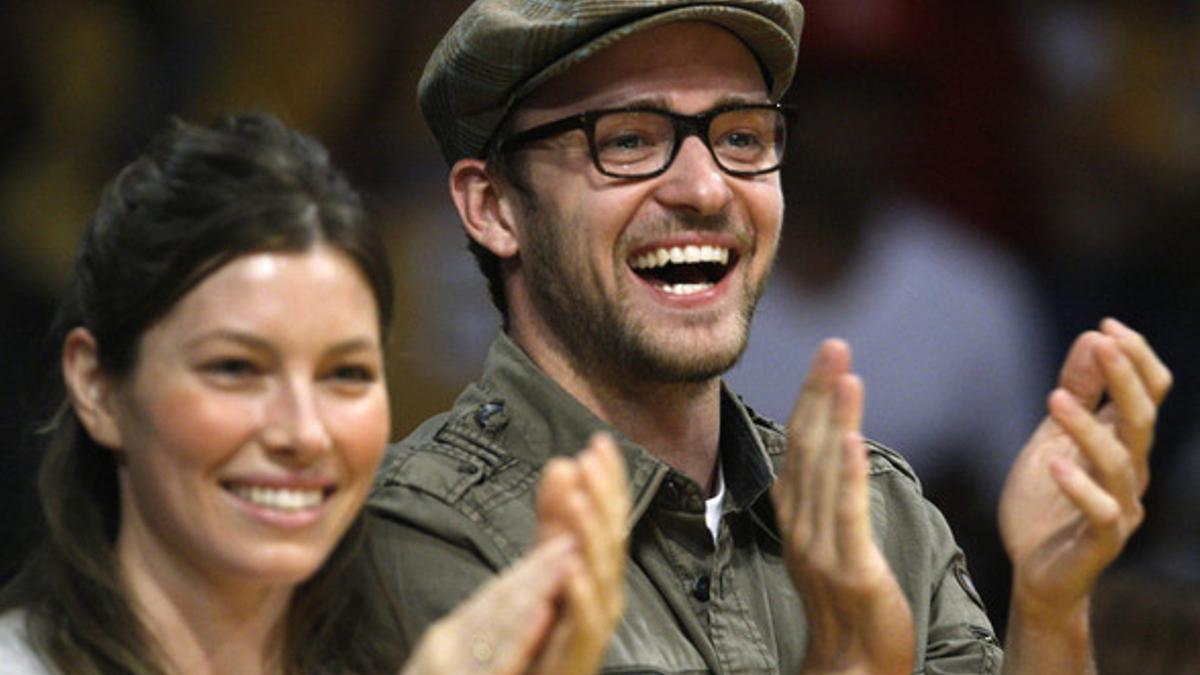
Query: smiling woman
pixel 220 431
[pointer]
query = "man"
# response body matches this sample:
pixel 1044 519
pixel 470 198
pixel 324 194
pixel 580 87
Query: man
pixel 615 168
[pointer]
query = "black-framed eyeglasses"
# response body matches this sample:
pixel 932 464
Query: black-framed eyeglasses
pixel 745 139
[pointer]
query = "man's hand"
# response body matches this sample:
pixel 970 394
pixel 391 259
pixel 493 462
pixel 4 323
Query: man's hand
pixel 1073 497
pixel 858 617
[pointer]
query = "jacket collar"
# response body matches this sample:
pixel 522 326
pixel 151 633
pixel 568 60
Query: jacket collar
pixel 543 420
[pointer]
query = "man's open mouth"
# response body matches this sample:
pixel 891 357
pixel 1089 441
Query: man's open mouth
pixel 684 270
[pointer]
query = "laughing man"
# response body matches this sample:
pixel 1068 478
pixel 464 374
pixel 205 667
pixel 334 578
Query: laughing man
pixel 615 166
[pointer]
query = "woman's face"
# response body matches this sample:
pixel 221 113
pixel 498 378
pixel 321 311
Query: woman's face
pixel 253 422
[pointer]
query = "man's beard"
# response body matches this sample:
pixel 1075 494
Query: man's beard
pixel 601 334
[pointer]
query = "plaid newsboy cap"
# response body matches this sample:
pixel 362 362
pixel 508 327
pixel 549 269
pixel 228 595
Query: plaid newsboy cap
pixel 499 51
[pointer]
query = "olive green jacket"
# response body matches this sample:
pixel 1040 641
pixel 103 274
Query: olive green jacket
pixel 454 503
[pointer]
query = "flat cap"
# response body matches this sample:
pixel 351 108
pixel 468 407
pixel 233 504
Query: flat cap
pixel 499 51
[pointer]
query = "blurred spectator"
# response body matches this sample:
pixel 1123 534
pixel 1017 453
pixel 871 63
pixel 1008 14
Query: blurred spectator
pixel 1145 625
pixel 1173 548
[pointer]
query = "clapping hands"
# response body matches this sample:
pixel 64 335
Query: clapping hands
pixel 555 610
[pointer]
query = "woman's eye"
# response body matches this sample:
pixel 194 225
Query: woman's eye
pixel 353 374
pixel 231 368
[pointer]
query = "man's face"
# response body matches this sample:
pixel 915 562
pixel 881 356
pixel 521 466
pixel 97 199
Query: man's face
pixel 593 250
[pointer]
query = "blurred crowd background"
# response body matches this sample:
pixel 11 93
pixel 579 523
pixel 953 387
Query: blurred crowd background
pixel 970 185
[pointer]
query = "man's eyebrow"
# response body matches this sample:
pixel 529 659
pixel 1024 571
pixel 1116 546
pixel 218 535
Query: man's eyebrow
pixel 740 99
pixel 661 103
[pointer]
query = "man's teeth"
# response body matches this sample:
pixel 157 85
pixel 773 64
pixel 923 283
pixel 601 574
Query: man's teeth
pixel 685 289
pixel 284 499
pixel 661 257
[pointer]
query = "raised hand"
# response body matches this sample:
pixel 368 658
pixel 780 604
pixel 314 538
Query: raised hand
pixel 588 498
pixel 859 620
pixel 555 610
pixel 502 626
pixel 1073 497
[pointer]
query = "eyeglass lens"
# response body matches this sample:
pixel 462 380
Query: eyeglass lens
pixel 633 143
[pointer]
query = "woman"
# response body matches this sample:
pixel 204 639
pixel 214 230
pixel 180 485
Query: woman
pixel 222 351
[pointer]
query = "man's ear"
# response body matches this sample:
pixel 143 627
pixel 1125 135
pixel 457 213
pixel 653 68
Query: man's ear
pixel 488 215
pixel 89 388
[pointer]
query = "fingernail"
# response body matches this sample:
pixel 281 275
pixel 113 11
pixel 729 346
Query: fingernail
pixel 1112 323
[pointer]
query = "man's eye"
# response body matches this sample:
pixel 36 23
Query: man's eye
pixel 742 140
pixel 625 141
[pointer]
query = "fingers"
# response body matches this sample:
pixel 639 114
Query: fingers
pixel 823 501
pixel 528 587
pixel 1135 409
pixel 587 498
pixel 600 564
pixel 1151 370
pixel 857 613
pixel 1081 374
pixel 591 621
pixel 832 495
pixel 810 425
pixel 812 405
pixel 854 508
pixel 501 626
pixel 603 476
pixel 597 474
pixel 539 573
pixel 525 595
pixel 848 403
pixel 1119 361
pixel 1114 467
pixel 1098 506
pixel 603 473
pixel 1107 484
pixel 560 479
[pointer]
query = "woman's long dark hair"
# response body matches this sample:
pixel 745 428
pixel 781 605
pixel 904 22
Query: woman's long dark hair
pixel 198 198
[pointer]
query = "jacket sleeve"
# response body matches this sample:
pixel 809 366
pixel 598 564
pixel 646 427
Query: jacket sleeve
pixel 953 632
pixel 961 639
pixel 431 549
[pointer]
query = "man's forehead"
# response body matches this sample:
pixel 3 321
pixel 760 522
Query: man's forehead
pixel 688 60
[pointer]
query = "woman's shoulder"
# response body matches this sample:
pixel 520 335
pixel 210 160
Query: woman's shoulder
pixel 16 655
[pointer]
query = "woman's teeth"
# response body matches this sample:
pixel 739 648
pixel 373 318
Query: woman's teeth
pixel 284 499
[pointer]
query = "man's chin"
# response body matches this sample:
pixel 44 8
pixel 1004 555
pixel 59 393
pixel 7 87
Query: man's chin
pixel 679 362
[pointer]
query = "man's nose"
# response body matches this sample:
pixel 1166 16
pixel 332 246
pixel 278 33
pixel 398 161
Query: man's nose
pixel 694 181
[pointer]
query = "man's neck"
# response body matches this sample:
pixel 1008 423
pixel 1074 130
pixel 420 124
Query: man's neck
pixel 679 423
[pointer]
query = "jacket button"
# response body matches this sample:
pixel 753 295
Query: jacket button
pixel 672 487
pixel 700 588
pixel 491 416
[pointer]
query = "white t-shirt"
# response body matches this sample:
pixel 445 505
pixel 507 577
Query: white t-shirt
pixel 712 505
pixel 16 656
